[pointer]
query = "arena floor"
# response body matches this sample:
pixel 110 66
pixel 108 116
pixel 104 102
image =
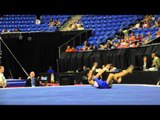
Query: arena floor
pixel 120 94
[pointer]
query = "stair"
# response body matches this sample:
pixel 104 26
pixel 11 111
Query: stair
pixel 70 21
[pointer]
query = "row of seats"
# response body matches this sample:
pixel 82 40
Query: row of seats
pixel 145 29
pixel 24 25
pixel 103 25
pixel 108 22
pixel 17 22
pixel 157 16
pixel 100 17
pixel 54 16
pixel 61 18
pixel 27 23
pixel 17 18
pixel 32 29
pixel 111 16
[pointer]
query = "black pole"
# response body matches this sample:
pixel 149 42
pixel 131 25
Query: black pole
pixel 14 57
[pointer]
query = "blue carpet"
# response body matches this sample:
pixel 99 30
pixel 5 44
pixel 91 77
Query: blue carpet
pixel 120 94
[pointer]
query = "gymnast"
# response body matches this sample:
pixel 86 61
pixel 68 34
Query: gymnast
pixel 117 77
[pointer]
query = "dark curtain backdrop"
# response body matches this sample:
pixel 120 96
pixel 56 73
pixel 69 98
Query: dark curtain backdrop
pixel 79 60
pixel 121 58
pixel 36 54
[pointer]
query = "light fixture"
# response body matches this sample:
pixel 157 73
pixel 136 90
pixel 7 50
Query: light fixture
pixel 29 38
pixel 20 37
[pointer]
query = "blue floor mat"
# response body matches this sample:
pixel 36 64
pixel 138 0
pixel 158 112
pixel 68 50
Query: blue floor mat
pixel 120 94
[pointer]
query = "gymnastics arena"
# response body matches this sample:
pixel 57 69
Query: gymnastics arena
pixel 46 59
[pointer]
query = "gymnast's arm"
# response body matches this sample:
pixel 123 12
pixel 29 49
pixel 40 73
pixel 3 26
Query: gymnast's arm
pixel 90 77
pixel 90 74
pixel 102 71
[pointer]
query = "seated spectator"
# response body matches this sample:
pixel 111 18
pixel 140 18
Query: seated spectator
pixel 115 45
pixel 72 49
pixel 146 24
pixel 137 26
pixel 16 30
pixel 103 45
pixel 155 63
pixel 125 31
pixel 133 45
pixel 94 48
pixel 5 30
pixel 120 34
pixel 84 70
pixel 69 27
pixel 122 43
pixel 158 33
pixel 138 38
pixel 142 37
pixel 74 27
pixel 131 37
pixel 32 81
pixel 151 20
pixel 51 23
pixel 80 27
pixel 57 22
pixel 38 21
pixel 68 49
pixel 126 38
pixel 84 73
pixel 138 44
pixel 86 46
pixel 147 39
pixel 157 23
pixel 126 45
pixel 141 24
pixel 145 63
pixel 118 45
pixel 43 78
pixel 109 44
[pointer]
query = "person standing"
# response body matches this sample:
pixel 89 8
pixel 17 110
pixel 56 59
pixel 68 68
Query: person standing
pixel 50 75
pixel 3 82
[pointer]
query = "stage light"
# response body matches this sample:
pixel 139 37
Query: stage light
pixel 20 37
pixel 29 38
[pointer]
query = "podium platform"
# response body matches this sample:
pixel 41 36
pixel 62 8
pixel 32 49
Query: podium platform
pixel 16 82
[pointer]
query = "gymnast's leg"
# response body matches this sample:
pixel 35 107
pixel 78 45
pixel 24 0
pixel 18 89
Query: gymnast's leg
pixel 118 76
